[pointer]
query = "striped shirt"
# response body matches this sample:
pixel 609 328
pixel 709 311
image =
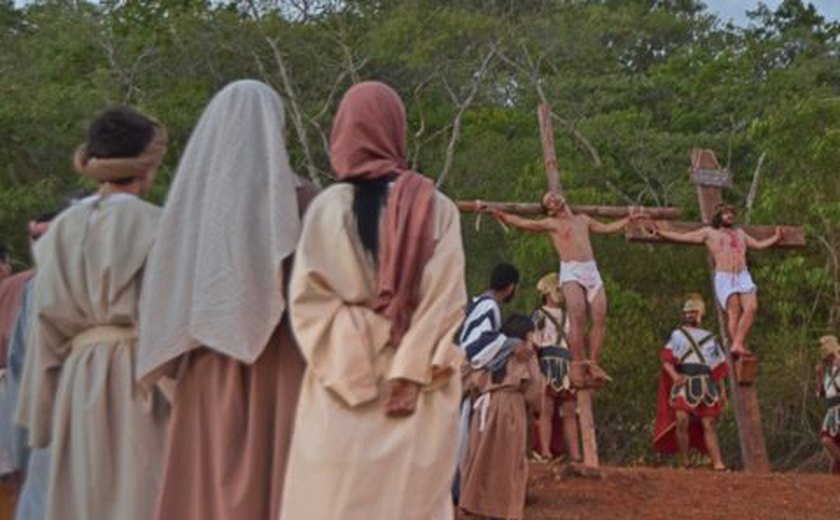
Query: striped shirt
pixel 481 338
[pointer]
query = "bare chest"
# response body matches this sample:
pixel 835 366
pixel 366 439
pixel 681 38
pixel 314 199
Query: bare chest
pixel 728 242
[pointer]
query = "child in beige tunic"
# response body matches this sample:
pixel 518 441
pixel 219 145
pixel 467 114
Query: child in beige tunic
pixel 495 473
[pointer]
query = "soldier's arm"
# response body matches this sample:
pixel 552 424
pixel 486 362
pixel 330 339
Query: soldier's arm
pixel 819 374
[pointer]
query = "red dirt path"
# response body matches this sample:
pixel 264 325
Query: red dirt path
pixel 652 493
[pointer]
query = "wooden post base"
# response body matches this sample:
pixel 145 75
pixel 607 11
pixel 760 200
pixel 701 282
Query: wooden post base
pixel 745 368
pixel 587 428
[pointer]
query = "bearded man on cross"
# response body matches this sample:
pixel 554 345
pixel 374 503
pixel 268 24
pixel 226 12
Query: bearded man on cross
pixel 734 287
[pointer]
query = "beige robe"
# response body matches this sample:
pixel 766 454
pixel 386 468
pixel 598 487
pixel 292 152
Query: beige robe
pixel 495 473
pixel 349 461
pixel 78 392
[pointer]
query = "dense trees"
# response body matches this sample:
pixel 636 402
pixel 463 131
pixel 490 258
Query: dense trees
pixel 634 86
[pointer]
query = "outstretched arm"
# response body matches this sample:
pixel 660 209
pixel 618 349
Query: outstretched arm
pixel 698 236
pixel 763 244
pixel 615 225
pixel 525 224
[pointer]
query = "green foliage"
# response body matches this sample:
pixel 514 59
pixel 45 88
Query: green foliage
pixel 635 86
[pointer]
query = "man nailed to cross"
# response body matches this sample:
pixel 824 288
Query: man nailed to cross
pixel 734 287
pixel 580 280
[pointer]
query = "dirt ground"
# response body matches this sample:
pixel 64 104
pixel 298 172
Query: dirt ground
pixel 658 493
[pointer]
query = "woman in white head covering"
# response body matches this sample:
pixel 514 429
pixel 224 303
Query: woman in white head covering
pixel 213 311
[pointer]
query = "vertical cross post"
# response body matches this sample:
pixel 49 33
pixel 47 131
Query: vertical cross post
pixel 586 418
pixel 709 178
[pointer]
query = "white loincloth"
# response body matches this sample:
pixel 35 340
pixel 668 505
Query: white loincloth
pixel 727 284
pixel 583 273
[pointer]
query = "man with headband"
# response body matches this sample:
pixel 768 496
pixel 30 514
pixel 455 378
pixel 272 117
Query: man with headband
pixel 734 287
pixel 580 280
pixel 377 292
pixel 78 394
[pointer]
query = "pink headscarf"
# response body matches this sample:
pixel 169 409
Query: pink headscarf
pixel 368 142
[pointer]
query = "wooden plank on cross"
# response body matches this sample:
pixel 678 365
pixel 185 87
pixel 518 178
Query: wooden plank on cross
pixel 792 237
pixel 534 208
pixel 709 178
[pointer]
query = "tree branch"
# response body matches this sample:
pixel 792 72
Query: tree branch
pixel 296 113
pixel 478 76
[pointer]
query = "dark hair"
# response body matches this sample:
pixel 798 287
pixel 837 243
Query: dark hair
pixel 118 132
pixel 518 326
pixel 368 200
pixel 717 218
pixel 502 276
pixel 4 253
pixel 43 218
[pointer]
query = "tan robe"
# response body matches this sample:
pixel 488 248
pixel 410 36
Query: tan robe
pixel 231 429
pixel 495 472
pixel 78 392
pixel 349 461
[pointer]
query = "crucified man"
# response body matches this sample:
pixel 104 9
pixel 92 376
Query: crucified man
pixel 579 278
pixel 734 287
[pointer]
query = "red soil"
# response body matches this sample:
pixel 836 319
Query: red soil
pixel 650 493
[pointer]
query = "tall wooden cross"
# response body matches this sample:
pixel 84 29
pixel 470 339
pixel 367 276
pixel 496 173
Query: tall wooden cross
pixel 584 395
pixel 710 178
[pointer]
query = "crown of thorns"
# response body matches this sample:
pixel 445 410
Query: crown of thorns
pixel 723 206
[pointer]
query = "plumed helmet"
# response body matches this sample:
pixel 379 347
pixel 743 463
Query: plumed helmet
pixel 694 303
pixel 550 285
pixel 829 346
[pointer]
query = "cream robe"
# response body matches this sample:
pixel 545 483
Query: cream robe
pixel 78 392
pixel 348 460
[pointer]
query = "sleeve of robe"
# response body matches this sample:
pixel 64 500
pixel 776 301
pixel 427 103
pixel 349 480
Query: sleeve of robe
pixel 330 286
pixel 426 351
pixel 332 282
pixel 46 348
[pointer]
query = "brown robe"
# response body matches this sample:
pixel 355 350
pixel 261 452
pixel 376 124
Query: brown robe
pixel 231 429
pixel 495 471
pixel 11 290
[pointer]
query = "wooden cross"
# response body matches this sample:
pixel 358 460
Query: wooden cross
pixel 710 178
pixel 584 395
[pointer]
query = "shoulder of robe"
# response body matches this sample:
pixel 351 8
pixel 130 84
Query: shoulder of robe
pixel 332 206
pixel 446 212
pixel 138 211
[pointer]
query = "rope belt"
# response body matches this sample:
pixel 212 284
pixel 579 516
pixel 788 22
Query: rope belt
pixel 104 334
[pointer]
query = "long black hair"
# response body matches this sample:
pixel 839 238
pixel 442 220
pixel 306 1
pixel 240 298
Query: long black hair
pixel 369 198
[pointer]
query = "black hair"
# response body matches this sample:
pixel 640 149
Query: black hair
pixel 518 326
pixel 118 132
pixel 503 276
pixel 4 253
pixel 369 198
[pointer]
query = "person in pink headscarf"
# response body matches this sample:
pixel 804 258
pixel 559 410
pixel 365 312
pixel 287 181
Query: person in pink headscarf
pixel 376 295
